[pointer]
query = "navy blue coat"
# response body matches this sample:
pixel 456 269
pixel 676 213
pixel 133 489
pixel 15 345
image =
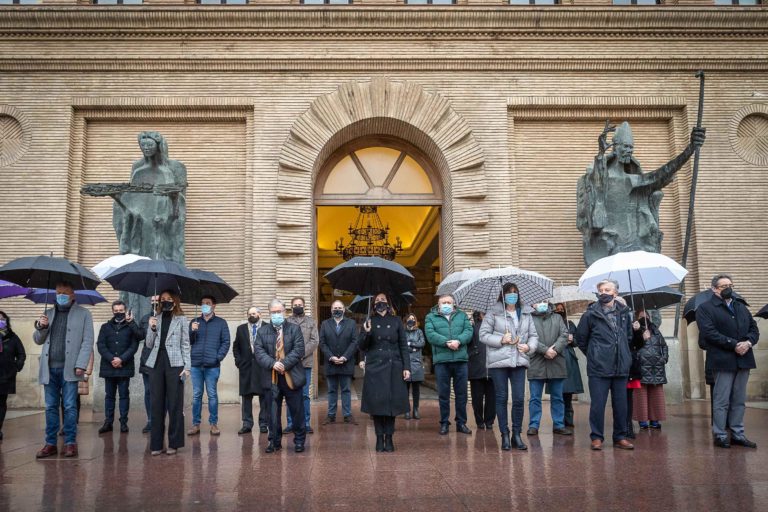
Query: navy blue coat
pixel 607 349
pixel 118 340
pixel 720 330
pixel 264 349
pixel 210 343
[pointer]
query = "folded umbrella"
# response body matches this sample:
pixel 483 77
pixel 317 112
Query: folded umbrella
pixel 44 271
pixel 109 265
pixel 210 284
pixel 689 310
pixel 763 313
pixel 367 275
pixel 361 303
pixel 656 299
pixel 148 277
pixel 8 289
pixel 452 281
pixel 483 292
pixel 82 297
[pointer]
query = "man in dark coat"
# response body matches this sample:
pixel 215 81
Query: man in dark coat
pixel 604 334
pixel 728 331
pixel 279 348
pixel 480 384
pixel 118 342
pixel 250 371
pixel 338 344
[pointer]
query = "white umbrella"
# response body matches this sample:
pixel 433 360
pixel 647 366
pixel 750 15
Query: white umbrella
pixel 452 282
pixel 483 292
pixel 109 265
pixel 574 300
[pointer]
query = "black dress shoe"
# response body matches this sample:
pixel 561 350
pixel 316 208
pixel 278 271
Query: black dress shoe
pixel 407 415
pixel 272 448
pixel 263 429
pixel 517 442
pixel 244 430
pixel 123 427
pixel 298 448
pixel 415 414
pixel 443 430
pixel 147 429
pixel 506 445
pixel 389 446
pixel 743 441
pixel 350 419
pixel 328 420
pixel 379 442
pixel 463 429
pixel 288 430
pixel 562 431
pixel 489 426
pixel 481 426
pixel 722 442
pixel 106 427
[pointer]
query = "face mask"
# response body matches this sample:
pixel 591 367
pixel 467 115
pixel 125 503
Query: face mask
pixel 510 298
pixel 411 323
pixel 3 325
pixel 338 313
pixel 298 310
pixel 119 317
pixel 542 308
pixel 206 309
pixel 277 319
pixel 727 293
pixel 62 299
pixel 605 298
pixel 446 309
pixel 167 305
pixel 253 319
pixel 381 307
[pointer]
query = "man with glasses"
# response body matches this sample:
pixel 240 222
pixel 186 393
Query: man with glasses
pixel 728 332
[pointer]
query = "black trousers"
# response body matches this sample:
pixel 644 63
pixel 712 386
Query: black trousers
pixel 294 399
pixel 3 409
pixel 568 401
pixel 483 401
pixel 264 406
pixel 630 427
pixel 167 395
pixel 384 425
pixel 415 389
pixel 246 405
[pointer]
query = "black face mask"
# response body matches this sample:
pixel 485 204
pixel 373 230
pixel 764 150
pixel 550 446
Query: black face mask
pixel 605 298
pixel 167 305
pixel 298 310
pixel 119 317
pixel 253 319
pixel 411 323
pixel 381 307
pixel 727 293
pixel 338 313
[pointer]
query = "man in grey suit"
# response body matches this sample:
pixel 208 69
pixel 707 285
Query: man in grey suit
pixel 66 333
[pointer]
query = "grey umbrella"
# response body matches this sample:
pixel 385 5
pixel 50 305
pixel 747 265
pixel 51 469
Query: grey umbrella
pixel 483 292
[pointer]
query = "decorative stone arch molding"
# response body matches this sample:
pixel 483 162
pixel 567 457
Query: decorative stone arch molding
pixel 381 107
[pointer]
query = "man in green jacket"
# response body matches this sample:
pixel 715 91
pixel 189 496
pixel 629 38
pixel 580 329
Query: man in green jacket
pixel 449 332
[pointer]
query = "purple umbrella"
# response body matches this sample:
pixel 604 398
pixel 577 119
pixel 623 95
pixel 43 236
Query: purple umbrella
pixel 8 289
pixel 82 297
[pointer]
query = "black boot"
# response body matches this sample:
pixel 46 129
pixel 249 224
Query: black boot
pixel 517 441
pixel 407 415
pixel 124 426
pixel 505 444
pixel 416 415
pixel 379 442
pixel 106 427
pixel 388 445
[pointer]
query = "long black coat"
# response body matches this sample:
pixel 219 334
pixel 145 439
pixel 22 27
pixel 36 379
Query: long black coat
pixel 720 330
pixel 264 350
pixel 573 383
pixel 118 340
pixel 11 362
pixel 245 360
pixel 476 352
pixel 607 349
pixel 652 356
pixel 145 351
pixel 343 344
pixel 386 356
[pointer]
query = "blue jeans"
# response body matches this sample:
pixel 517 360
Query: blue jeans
pixel 147 401
pixel 501 378
pixel 113 385
pixel 57 390
pixel 210 378
pixel 305 392
pixel 556 404
pixel 459 372
pixel 334 382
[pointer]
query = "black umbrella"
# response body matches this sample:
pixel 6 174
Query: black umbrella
pixel 400 302
pixel 44 271
pixel 656 299
pixel 689 311
pixel 763 313
pixel 364 275
pixel 209 284
pixel 147 277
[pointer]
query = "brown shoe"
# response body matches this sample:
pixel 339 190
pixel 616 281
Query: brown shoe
pixel 624 445
pixel 47 451
pixel 215 430
pixel 597 445
pixel 70 450
pixel 195 430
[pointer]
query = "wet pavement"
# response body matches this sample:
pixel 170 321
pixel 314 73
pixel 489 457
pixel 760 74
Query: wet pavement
pixel 676 468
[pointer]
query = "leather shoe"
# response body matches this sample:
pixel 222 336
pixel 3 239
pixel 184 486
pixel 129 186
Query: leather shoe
pixel 379 442
pixel 489 426
pixel 147 429
pixel 743 441
pixel 517 441
pixel 350 419
pixel 443 430
pixel 272 448
pixel 244 430
pixel 481 426
pixel 407 415
pixel 532 432
pixel 70 450
pixel 389 446
pixel 416 414
pixel 215 430
pixel 463 429
pixel 195 430
pixel 123 428
pixel 263 429
pixel 47 451
pixel 288 430
pixel 106 427
pixel 623 445
pixel 722 442
pixel 328 419
pixel 298 448
pixel 597 445
pixel 563 431
pixel 506 445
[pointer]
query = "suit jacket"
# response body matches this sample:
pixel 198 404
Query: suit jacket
pixel 79 343
pixel 264 350
pixel 176 344
pixel 343 344
pixel 245 360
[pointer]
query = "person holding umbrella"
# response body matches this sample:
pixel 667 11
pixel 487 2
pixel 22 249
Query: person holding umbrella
pixel 387 368
pixel 649 407
pixel 170 363
pixel 573 384
pixel 510 334
pixel 12 357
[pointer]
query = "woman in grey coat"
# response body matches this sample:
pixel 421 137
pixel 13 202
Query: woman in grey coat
pixel 415 340
pixel 510 335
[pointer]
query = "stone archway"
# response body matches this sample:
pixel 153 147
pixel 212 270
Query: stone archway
pixel 381 107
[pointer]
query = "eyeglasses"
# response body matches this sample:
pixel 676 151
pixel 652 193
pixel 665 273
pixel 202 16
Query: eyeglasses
pixel 724 286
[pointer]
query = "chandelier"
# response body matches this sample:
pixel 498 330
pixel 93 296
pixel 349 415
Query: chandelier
pixel 368 237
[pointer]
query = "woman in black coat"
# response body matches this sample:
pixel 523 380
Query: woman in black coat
pixel 12 357
pixel 387 364
pixel 649 407
pixel 480 384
